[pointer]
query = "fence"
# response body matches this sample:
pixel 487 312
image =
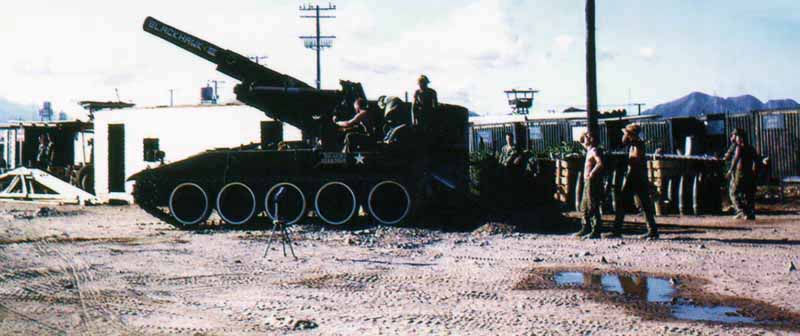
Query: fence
pixel 774 133
pixel 657 135
pixel 543 135
pixel 489 138
pixel 778 138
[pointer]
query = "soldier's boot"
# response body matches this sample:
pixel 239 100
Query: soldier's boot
pixel 650 235
pixel 751 215
pixel 583 231
pixel 594 234
pixel 652 232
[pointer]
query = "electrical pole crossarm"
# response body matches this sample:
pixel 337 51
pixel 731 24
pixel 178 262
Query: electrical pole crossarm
pixel 316 42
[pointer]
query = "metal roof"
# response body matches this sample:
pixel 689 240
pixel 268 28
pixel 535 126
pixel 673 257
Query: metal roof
pixel 62 124
pixel 98 105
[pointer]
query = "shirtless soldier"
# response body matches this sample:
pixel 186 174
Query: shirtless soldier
pixel 592 189
pixel 635 184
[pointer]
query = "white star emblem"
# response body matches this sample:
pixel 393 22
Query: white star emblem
pixel 359 158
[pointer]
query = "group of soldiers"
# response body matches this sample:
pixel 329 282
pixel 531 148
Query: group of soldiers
pixel 363 126
pixel 635 184
pixel 744 167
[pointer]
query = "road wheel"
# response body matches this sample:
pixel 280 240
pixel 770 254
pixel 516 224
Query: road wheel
pixel 291 202
pixel 389 202
pixel 335 203
pixel 189 205
pixel 236 203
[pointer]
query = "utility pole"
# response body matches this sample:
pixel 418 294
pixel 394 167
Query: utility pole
pixel 591 70
pixel 317 42
pixel 171 101
pixel 639 106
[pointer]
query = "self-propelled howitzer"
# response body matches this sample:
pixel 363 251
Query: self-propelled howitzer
pixel 389 180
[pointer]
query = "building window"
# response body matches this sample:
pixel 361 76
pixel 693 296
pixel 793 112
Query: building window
pixel 151 150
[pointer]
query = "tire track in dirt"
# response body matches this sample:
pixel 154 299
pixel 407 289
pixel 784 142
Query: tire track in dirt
pixel 97 317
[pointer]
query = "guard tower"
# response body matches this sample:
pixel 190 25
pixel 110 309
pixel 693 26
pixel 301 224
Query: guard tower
pixel 520 100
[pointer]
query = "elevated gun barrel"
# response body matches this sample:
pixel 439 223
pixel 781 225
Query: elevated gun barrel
pixel 228 62
pixel 187 41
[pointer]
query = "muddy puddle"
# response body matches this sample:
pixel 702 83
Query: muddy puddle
pixel 663 296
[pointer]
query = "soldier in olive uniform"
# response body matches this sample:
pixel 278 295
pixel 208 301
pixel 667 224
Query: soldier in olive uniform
pixel 727 157
pixel 592 189
pixel 509 155
pixel 425 103
pixel 743 171
pixel 635 184
pixel 396 119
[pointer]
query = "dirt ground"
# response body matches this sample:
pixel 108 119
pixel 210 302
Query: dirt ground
pixel 116 270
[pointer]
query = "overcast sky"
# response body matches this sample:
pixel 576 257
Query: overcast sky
pixel 650 51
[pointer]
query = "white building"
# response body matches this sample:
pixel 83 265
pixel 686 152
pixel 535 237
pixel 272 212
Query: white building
pixel 123 135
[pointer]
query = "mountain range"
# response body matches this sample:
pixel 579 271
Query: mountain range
pixel 698 103
pixel 12 111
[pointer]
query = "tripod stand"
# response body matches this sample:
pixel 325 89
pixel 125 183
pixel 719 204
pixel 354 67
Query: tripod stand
pixel 278 224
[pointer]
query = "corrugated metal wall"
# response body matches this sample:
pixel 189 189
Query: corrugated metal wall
pixel 657 134
pixel 779 139
pixel 489 138
pixel 543 135
pixel 775 134
pixel 745 121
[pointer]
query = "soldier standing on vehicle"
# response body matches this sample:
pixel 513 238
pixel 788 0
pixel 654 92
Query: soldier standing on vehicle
pixel 396 119
pixel 635 184
pixel 425 102
pixel 743 171
pixel 592 189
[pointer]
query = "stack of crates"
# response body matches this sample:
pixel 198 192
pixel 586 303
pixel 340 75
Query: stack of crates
pixel 568 173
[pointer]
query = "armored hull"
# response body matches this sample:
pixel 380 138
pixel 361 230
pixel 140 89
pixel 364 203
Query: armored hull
pixel 241 184
pixel 390 179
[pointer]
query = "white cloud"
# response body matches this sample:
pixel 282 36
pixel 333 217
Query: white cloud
pixel 564 42
pixel 647 53
pixel 459 52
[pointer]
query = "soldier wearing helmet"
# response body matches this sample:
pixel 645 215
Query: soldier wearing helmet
pixel 396 119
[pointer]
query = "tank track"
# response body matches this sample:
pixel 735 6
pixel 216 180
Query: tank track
pixel 145 194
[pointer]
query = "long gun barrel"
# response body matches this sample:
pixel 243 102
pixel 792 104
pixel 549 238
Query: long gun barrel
pixel 280 96
pixel 228 62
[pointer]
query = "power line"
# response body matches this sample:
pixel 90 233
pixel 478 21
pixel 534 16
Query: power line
pixel 318 42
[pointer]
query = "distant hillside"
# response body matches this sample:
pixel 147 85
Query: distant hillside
pixel 11 111
pixel 698 103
